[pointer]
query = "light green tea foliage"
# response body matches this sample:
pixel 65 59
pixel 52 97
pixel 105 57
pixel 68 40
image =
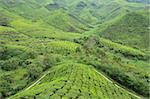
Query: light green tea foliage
pixel 74 81
pixel 68 41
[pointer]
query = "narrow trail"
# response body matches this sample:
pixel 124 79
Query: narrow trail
pixel 116 84
pixel 36 81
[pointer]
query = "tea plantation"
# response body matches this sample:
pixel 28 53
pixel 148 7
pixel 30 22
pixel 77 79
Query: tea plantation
pixel 74 49
pixel 74 81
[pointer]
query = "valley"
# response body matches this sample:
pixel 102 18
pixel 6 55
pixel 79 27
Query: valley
pixel 74 49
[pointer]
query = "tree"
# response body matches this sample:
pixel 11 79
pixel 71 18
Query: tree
pixel 3 52
pixel 117 59
pixel 10 64
pixel 34 71
pixel 49 61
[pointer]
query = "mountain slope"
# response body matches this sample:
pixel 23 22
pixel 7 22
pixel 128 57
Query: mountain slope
pixel 139 1
pixel 94 11
pixel 61 20
pixel 74 81
pixel 86 14
pixel 124 64
pixel 53 37
pixel 131 30
pixel 31 9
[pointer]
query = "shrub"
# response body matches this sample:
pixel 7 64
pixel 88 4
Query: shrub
pixel 50 60
pixel 3 53
pixel 5 88
pixel 10 64
pixel 126 79
pixel 34 71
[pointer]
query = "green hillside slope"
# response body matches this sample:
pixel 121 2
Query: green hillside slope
pixel 131 30
pixel 124 64
pixel 74 81
pixel 35 12
pixel 79 12
pixel 62 48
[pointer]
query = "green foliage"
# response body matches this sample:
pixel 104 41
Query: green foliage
pixel 74 81
pixel 124 78
pixel 65 22
pixel 126 51
pixel 50 60
pixel 3 53
pixel 5 86
pixel 123 64
pixel 131 29
pixel 38 35
pixel 63 47
pixel 10 64
pixel 3 22
pixel 34 71
pixel 12 82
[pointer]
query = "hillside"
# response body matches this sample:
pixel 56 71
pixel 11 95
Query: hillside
pixel 124 64
pixel 139 1
pixel 87 13
pixel 74 81
pixel 74 49
pixel 131 30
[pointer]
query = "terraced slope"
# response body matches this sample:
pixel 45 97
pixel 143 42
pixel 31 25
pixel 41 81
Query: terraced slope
pixel 130 29
pixel 30 10
pixel 94 11
pixel 74 80
pixel 22 43
pixel 126 65
pixel 139 1
pixel 81 15
pixel 37 36
pixel 129 26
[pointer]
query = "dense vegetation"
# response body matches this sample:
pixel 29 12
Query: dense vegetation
pixel 72 48
pixel 129 26
pixel 139 1
pixel 126 65
pixel 74 81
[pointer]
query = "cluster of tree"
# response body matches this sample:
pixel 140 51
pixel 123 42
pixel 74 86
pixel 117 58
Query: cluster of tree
pixel 7 84
pixel 35 69
pixel 12 59
pixel 10 64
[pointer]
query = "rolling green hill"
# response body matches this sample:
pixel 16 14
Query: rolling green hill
pixel 139 1
pixel 74 81
pixel 74 49
pixel 126 65
pixel 131 30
